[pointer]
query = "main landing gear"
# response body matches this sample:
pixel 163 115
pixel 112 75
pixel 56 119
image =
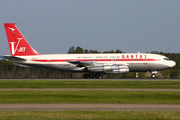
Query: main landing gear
pixel 92 75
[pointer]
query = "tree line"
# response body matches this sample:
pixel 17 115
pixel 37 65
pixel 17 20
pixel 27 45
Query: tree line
pixel 8 70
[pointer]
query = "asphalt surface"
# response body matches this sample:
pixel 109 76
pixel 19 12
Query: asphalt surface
pixel 82 79
pixel 90 107
pixel 82 89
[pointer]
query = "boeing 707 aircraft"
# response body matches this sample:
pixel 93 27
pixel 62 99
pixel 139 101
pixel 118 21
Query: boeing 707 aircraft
pixel 92 65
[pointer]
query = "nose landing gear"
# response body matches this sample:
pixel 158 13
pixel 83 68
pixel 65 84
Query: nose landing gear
pixel 153 75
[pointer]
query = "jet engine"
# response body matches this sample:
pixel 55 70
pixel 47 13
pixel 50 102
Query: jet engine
pixel 111 69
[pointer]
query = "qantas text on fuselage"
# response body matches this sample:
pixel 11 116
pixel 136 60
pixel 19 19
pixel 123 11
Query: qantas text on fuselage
pixel 93 65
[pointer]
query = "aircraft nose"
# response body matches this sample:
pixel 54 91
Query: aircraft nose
pixel 172 64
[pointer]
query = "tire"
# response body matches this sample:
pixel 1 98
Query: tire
pixel 153 76
pixel 85 75
pixel 91 76
pixel 97 75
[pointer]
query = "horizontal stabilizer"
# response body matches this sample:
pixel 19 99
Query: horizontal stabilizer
pixel 13 58
pixel 1 57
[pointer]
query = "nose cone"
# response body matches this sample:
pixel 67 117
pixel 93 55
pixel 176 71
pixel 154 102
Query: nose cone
pixel 172 64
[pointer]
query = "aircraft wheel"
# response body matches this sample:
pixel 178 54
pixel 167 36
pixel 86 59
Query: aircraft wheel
pixel 85 75
pixel 91 76
pixel 153 76
pixel 97 75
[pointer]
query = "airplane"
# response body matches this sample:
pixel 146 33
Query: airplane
pixel 92 65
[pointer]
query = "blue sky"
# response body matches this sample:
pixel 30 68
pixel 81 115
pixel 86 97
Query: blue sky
pixel 53 26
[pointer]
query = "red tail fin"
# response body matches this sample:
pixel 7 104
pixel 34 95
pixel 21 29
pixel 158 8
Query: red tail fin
pixel 17 43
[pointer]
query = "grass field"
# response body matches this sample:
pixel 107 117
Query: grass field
pixel 153 97
pixel 89 84
pixel 86 115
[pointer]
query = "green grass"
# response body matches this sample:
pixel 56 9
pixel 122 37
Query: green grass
pixel 89 84
pixel 89 115
pixel 153 97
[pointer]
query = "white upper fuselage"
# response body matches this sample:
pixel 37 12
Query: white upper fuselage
pixel 137 62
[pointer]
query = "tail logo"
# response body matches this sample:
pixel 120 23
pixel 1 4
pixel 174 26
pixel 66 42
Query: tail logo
pixel 15 48
pixel 12 29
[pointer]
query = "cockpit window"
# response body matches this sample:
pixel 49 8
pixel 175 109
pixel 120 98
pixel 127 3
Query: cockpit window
pixel 166 58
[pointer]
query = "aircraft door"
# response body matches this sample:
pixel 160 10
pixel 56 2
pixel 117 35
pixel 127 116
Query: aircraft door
pixel 49 62
pixel 114 61
pixel 145 61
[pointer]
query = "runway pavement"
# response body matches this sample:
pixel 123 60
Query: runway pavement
pixel 90 107
pixel 101 79
pixel 82 89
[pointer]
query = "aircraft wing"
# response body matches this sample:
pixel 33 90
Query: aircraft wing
pixel 92 64
pixel 103 67
pixel 81 63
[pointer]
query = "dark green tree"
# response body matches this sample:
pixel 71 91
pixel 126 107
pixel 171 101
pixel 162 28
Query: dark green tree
pixel 71 50
pixel 174 73
pixel 79 50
